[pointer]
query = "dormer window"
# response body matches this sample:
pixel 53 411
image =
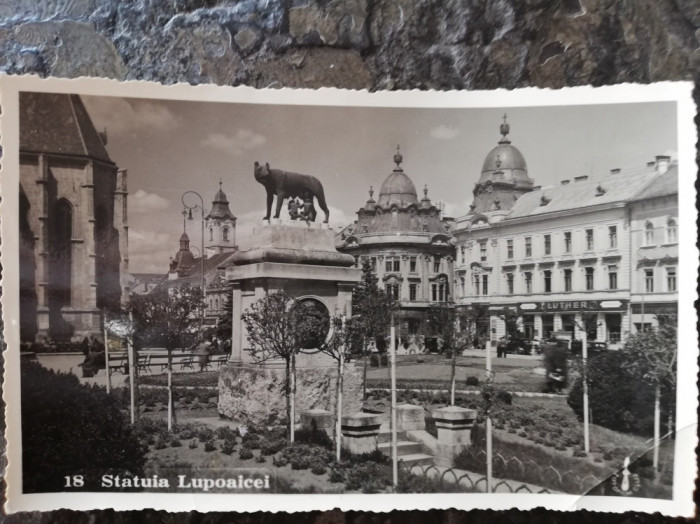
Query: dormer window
pixel 599 190
pixel 544 200
pixel 671 231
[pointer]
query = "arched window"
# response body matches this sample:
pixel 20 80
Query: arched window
pixel 216 303
pixel 648 234
pixel 211 234
pixel 671 231
pixel 225 233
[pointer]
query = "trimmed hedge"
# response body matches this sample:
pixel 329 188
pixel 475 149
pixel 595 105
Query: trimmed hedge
pixel 69 428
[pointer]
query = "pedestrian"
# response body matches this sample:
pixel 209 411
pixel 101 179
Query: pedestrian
pixel 203 352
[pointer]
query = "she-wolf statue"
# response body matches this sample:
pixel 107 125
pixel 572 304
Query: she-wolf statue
pixel 289 185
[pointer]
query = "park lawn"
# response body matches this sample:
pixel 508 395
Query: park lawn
pixel 513 376
pixel 194 379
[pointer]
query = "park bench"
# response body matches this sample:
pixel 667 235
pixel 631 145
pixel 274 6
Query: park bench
pixel 187 362
pixel 144 363
pixel 217 360
pixel 118 361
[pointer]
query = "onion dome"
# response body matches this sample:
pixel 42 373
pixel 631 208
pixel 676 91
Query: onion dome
pixel 397 189
pixel 507 159
pixel 219 206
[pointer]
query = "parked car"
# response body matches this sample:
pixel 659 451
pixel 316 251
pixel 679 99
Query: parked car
pixel 596 347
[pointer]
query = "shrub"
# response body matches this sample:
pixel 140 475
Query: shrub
pixel 69 427
pixel 228 446
pixel 270 447
pixel 615 396
pixel 280 461
pixel 209 446
pixel 504 396
pixel 300 463
pixel 318 469
pixel 175 443
pixel 314 436
pixel 245 453
pixel 193 444
pixel 260 459
pixel 224 433
pixel 205 434
pixel 337 474
pixel 472 381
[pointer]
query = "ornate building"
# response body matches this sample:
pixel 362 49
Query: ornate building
pixel 73 221
pixel 408 244
pixel 571 256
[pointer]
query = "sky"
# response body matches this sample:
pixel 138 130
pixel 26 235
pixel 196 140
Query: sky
pixel 169 147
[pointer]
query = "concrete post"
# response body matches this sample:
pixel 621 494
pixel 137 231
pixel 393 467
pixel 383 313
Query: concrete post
pixel 360 433
pixel 454 425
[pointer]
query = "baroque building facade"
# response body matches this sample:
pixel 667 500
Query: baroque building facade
pixel 409 246
pixel 567 257
pixel 73 221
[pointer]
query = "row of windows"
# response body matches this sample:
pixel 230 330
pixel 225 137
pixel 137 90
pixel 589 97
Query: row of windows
pixel 438 291
pixel 392 264
pixel 481 282
pixel 650 234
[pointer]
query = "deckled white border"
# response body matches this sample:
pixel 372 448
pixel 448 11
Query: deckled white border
pixel 686 419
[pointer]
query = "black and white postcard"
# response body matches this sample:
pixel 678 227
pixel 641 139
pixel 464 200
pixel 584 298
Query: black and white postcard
pixel 219 298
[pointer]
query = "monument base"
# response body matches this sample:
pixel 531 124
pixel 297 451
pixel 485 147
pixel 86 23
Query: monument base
pixel 254 394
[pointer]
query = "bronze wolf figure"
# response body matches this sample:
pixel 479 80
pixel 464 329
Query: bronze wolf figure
pixel 289 185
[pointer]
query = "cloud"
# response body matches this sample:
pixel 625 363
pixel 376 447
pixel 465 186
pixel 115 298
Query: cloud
pixel 125 115
pixel 150 251
pixel 144 202
pixel 241 141
pixel 443 132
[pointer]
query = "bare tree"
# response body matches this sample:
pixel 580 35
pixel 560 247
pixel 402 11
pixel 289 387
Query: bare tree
pixel 277 328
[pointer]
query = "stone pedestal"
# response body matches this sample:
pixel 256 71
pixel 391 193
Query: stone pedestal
pixel 410 417
pixel 360 433
pixel 297 258
pixel 318 419
pixel 454 427
pixel 254 394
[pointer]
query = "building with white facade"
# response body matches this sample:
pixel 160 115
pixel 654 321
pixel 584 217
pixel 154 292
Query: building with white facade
pixel 570 256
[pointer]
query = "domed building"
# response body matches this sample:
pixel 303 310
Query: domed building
pixel 409 245
pixel 503 177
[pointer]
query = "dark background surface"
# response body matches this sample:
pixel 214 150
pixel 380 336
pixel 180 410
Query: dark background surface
pixel 355 44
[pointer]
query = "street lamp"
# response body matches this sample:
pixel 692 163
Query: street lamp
pixel 189 208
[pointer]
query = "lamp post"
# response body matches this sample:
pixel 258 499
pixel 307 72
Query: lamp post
pixel 201 251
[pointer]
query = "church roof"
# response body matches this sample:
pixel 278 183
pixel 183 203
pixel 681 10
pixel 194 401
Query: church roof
pixel 219 206
pixel 59 124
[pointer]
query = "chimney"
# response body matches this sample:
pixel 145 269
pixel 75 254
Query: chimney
pixel 615 171
pixel 662 162
pixel 565 182
pixel 580 178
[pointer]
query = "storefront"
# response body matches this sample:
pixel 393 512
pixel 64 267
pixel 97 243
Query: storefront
pixel 604 320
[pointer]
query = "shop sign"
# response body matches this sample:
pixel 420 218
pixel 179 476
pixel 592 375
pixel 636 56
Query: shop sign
pixel 573 306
